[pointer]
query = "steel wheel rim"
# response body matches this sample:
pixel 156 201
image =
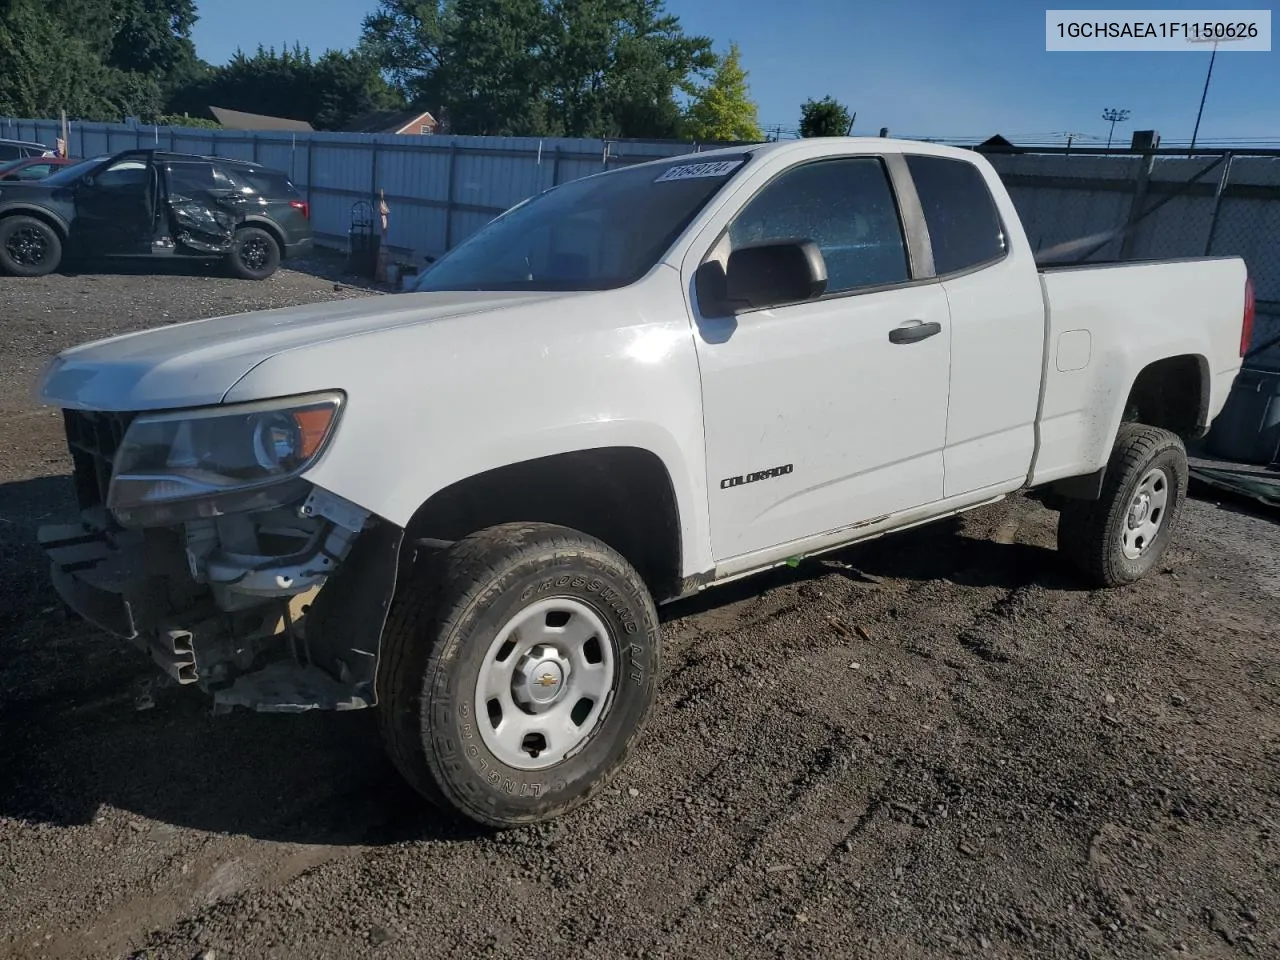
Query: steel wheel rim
pixel 545 684
pixel 1144 517
pixel 27 246
pixel 253 253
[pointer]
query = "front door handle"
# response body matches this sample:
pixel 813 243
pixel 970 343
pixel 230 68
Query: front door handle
pixel 914 330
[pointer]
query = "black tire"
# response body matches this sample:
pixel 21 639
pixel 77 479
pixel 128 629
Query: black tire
pixel 441 631
pixel 1090 531
pixel 255 254
pixel 28 247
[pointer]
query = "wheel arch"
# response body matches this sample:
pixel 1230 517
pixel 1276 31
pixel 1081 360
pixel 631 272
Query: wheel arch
pixel 38 213
pixel 622 495
pixel 262 223
pixel 1172 393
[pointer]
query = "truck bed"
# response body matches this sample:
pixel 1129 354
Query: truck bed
pixel 1107 322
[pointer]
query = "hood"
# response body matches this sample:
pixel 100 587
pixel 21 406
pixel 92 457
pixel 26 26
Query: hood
pixel 196 363
pixel 24 189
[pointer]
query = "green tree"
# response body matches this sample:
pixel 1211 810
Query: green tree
pixel 824 118
pixel 723 109
pixel 96 59
pixel 327 92
pixel 46 70
pixel 490 77
pixel 343 85
pixel 186 120
pixel 153 37
pixel 579 68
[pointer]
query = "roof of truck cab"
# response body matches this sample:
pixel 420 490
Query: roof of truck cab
pixel 869 144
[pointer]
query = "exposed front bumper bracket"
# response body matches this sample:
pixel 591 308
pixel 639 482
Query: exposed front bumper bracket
pixel 84 572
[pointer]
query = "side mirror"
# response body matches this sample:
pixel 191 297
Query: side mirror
pixel 771 274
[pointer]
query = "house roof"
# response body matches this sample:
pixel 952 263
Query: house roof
pixel 997 144
pixel 238 120
pixel 387 121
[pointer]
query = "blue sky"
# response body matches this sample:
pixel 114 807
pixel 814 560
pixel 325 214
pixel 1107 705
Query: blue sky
pixel 920 67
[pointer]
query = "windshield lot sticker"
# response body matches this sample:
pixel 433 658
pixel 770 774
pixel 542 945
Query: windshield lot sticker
pixel 688 171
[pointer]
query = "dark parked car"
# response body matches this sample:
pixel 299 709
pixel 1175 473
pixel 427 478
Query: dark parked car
pixel 17 149
pixel 148 203
pixel 32 168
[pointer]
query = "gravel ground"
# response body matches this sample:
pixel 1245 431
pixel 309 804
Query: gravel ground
pixel 932 745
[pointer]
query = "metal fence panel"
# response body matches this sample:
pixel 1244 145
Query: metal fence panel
pixel 442 189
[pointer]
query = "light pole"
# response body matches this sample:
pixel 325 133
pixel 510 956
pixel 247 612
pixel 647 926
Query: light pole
pixel 1115 116
pixel 1207 77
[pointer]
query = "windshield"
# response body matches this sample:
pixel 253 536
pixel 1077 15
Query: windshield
pixel 597 233
pixel 68 175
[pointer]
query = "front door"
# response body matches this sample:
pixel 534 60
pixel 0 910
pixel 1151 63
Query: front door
pixel 115 209
pixel 831 413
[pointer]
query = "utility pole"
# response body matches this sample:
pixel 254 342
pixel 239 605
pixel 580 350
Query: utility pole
pixel 849 132
pixel 1114 116
pixel 1207 77
pixel 1071 138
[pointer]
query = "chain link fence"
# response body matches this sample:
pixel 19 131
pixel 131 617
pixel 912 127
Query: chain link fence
pixel 1165 204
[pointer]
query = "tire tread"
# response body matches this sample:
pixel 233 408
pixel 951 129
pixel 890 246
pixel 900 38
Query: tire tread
pixel 440 591
pixel 1084 526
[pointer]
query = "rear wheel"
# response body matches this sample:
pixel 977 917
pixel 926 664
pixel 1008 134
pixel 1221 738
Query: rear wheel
pixel 518 670
pixel 1118 538
pixel 255 254
pixel 28 247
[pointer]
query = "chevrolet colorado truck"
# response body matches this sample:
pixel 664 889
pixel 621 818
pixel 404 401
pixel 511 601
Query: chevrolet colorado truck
pixel 462 504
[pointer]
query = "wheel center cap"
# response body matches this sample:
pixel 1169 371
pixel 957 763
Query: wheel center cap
pixel 1139 512
pixel 541 678
pixel 545 681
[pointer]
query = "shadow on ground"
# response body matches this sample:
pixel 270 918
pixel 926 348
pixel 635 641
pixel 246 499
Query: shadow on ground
pixel 87 722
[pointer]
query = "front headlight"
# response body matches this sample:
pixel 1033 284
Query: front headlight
pixel 201 463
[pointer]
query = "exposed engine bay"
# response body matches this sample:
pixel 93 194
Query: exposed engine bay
pixel 249 606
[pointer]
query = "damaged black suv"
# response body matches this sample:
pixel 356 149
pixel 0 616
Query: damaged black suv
pixel 148 203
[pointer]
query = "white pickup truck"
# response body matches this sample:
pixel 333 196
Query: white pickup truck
pixel 461 504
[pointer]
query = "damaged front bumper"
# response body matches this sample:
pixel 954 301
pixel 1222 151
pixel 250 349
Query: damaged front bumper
pixel 276 610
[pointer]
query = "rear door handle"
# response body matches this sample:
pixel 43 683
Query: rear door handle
pixel 914 330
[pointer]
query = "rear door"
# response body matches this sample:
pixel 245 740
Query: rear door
pixel 827 414
pixel 201 210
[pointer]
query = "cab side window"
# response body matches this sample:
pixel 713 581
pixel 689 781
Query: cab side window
pixel 845 206
pixel 188 179
pixel 964 227
pixel 126 175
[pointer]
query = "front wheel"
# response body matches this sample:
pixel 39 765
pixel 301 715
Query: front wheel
pixel 255 254
pixel 28 247
pixel 1118 538
pixel 518 670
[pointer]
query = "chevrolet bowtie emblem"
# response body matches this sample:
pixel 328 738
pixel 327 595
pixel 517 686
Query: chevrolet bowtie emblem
pixel 547 680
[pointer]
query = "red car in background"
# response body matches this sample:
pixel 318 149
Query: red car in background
pixel 32 168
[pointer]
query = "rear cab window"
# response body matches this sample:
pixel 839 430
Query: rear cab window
pixel 960 214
